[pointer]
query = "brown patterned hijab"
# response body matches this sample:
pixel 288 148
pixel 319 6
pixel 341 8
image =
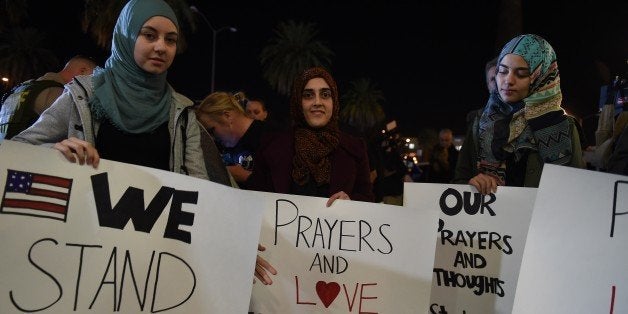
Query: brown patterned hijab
pixel 313 146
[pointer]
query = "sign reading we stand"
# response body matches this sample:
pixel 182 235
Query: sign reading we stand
pixel 120 238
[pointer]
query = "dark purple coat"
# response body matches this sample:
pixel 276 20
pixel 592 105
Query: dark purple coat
pixel 349 167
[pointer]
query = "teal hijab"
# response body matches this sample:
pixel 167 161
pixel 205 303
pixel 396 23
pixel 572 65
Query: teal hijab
pixel 130 98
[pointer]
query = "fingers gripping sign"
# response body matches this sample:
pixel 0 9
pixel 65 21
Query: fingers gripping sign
pixel 76 150
pixel 484 183
pixel 340 195
pixel 263 267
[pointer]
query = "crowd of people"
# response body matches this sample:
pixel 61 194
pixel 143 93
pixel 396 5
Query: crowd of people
pixel 126 111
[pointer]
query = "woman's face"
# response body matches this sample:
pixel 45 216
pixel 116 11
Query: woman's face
pixel 490 79
pixel 156 45
pixel 317 103
pixel 255 110
pixel 513 78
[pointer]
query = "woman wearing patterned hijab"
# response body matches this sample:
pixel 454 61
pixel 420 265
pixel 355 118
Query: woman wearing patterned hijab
pixel 315 158
pixel 523 125
pixel 127 111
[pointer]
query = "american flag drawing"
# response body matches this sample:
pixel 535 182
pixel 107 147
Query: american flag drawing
pixel 35 194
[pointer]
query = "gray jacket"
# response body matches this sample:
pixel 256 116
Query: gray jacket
pixel 70 116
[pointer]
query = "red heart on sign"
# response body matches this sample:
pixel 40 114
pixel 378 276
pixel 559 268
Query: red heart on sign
pixel 327 292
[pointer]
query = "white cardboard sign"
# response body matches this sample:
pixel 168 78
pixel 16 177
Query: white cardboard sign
pixel 576 255
pixel 120 238
pixel 352 257
pixel 480 243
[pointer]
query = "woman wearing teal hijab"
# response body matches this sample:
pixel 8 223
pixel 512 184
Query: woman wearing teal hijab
pixel 523 125
pixel 127 111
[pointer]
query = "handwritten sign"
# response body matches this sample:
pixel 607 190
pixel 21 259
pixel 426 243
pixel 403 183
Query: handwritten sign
pixel 480 241
pixel 120 238
pixel 353 257
pixel 576 253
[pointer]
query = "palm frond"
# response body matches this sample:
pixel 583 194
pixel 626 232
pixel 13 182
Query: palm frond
pixel 293 49
pixel 361 105
pixel 100 16
pixel 22 55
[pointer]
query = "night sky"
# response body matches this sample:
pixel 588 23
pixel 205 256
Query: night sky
pixel 426 56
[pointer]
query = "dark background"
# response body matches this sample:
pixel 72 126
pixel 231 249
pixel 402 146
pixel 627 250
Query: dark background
pixel 426 56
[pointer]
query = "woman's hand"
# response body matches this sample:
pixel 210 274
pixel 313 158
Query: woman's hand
pixel 340 195
pixel 239 173
pixel 484 183
pixel 74 149
pixel 263 267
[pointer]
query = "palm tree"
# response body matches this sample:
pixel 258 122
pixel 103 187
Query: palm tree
pixel 100 16
pixel 22 55
pixel 361 106
pixel 293 50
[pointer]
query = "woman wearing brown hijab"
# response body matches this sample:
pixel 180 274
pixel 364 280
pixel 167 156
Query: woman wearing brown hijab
pixel 314 158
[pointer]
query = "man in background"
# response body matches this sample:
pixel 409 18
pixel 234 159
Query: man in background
pixel 444 158
pixel 490 70
pixel 23 105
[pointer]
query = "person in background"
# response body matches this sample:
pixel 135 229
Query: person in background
pixel 490 70
pixel 393 171
pixel 256 109
pixel 613 119
pixel 444 158
pixel 239 135
pixel 466 162
pixel 28 100
pixel 127 111
pixel 314 158
pixel 618 160
pixel 388 171
pixel 523 125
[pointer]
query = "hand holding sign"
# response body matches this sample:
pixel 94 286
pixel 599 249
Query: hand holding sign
pixel 78 150
pixel 263 267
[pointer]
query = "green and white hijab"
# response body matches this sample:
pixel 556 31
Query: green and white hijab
pixel 537 123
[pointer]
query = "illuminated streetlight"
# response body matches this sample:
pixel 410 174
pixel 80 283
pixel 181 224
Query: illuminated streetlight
pixel 214 33
pixel 5 85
